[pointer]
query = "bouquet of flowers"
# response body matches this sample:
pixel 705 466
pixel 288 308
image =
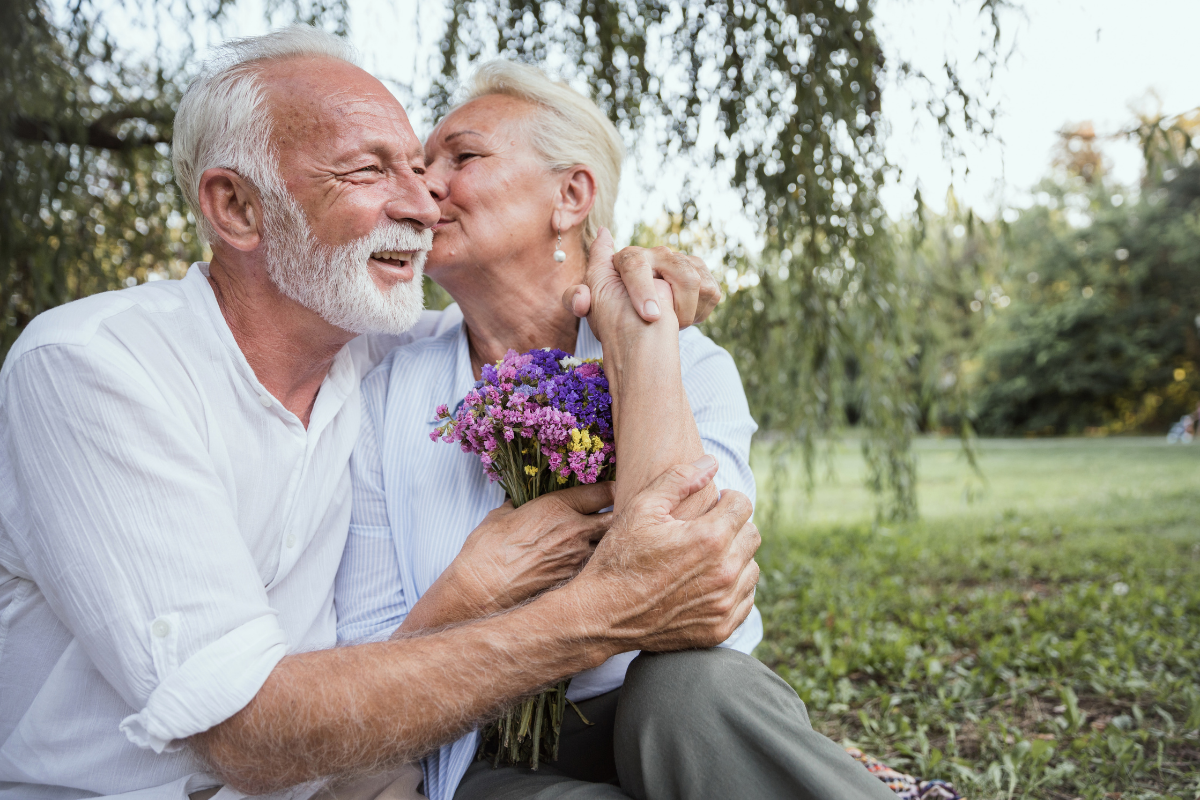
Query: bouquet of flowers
pixel 539 421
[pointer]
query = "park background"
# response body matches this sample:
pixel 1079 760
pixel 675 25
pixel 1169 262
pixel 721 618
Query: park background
pixel 960 243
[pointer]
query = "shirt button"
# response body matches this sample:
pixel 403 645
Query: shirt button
pixel 265 399
pixel 161 628
pixel 291 540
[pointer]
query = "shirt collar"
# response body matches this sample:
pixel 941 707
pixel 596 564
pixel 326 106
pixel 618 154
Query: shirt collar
pixel 339 383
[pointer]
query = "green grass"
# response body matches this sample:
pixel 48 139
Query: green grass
pixel 1041 640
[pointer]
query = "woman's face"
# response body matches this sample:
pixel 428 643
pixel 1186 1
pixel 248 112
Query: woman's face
pixel 496 197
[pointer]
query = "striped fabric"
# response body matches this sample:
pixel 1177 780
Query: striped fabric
pixel 415 501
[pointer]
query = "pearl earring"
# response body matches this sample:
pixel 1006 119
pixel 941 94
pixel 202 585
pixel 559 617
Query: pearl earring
pixel 559 255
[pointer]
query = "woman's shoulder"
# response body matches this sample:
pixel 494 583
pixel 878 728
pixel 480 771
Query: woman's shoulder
pixel 410 368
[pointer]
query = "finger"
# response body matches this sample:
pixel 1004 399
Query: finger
pixel 588 498
pixel 747 541
pixel 745 588
pixel 578 299
pixel 600 254
pixel 678 270
pixel 637 273
pixel 600 525
pixel 710 290
pixel 666 296
pixel 730 514
pixel 677 483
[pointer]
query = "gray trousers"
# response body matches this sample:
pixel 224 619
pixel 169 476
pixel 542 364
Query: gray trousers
pixel 688 726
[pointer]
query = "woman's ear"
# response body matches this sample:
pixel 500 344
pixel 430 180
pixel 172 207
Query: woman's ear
pixel 232 208
pixel 577 195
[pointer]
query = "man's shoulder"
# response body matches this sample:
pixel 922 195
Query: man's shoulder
pixel 82 323
pixel 695 346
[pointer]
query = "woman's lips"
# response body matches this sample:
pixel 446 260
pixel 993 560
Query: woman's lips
pixel 441 223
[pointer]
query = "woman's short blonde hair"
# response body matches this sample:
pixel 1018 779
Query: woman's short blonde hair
pixel 569 130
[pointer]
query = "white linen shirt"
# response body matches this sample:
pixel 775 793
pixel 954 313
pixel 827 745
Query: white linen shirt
pixel 168 532
pixel 416 501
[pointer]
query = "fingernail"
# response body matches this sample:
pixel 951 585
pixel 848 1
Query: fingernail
pixel 651 308
pixel 704 462
pixel 575 303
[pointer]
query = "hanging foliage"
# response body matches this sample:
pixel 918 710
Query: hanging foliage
pixel 819 321
pixel 818 317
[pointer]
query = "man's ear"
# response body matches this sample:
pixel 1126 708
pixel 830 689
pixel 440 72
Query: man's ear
pixel 577 195
pixel 232 207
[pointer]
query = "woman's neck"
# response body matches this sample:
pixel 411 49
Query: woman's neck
pixel 519 314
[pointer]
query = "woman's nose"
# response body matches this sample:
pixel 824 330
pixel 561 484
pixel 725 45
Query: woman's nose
pixel 435 182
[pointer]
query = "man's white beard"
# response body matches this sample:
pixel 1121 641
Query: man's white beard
pixel 336 282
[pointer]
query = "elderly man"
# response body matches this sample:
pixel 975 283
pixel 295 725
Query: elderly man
pixel 174 487
pixel 174 490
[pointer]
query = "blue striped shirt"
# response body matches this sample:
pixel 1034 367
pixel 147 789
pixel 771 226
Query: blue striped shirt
pixel 416 501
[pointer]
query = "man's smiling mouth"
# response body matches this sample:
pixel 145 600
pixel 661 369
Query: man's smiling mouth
pixel 396 264
pixel 393 258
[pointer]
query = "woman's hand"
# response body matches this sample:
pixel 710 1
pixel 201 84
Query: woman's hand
pixel 516 553
pixel 610 305
pixel 694 290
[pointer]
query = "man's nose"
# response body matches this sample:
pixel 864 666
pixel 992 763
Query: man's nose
pixel 413 202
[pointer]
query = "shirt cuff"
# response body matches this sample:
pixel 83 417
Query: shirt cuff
pixel 748 634
pixel 210 687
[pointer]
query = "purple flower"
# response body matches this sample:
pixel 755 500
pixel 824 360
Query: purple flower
pixel 539 421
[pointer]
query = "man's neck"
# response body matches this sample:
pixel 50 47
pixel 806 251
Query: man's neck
pixel 289 347
pixel 501 316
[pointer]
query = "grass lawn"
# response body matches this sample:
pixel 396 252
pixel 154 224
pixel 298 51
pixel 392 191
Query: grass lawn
pixel 1041 640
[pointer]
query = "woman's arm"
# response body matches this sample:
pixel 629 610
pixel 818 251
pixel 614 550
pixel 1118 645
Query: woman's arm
pixel 651 416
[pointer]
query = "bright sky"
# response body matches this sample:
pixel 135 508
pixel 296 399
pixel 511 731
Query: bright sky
pixel 1072 60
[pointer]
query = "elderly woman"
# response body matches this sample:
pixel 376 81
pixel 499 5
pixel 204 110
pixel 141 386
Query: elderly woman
pixel 525 172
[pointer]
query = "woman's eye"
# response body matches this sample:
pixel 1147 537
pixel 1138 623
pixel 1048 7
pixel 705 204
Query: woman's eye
pixel 464 156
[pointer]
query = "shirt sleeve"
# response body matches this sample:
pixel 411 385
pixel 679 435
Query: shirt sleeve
pixel 115 511
pixel 369 591
pixel 718 403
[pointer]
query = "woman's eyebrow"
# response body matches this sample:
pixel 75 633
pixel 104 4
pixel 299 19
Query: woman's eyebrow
pixel 462 133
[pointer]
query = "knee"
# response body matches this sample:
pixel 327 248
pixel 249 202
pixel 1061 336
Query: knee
pixel 686 674
pixel 706 681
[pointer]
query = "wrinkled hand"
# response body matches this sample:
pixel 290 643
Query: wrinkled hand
pixel 515 553
pixel 609 304
pixel 668 584
pixel 695 290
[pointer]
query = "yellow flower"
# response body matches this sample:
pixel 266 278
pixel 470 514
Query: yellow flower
pixel 561 480
pixel 531 470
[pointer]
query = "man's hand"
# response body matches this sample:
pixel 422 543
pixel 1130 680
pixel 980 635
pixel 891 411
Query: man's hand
pixel 695 290
pixel 659 583
pixel 514 554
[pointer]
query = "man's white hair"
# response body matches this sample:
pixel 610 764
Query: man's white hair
pixel 568 130
pixel 224 121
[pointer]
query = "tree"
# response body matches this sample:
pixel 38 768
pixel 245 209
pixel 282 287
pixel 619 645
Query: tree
pixel 1102 332
pixel 819 322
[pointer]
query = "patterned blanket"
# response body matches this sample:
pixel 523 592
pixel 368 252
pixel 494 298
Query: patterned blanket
pixel 905 787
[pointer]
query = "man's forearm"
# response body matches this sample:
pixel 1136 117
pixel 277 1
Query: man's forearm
pixel 651 416
pixel 367 707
